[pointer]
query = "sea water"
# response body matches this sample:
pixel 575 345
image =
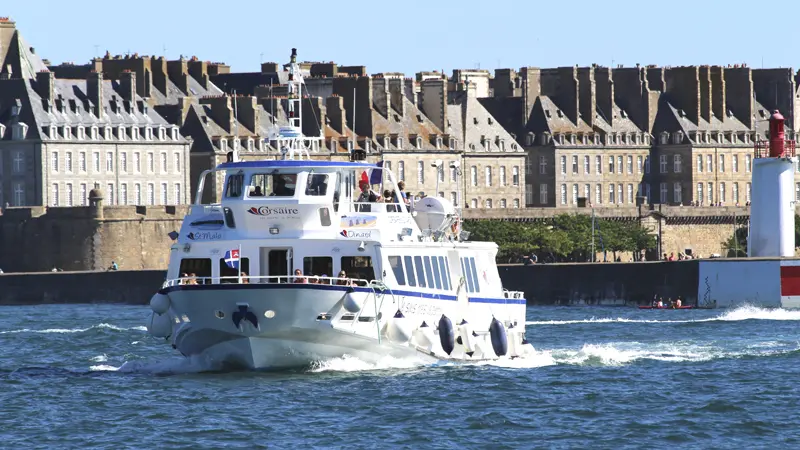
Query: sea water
pixel 89 376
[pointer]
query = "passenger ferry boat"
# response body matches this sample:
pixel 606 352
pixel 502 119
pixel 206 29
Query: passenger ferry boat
pixel 291 268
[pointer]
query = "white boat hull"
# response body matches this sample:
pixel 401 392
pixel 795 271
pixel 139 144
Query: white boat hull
pixel 289 326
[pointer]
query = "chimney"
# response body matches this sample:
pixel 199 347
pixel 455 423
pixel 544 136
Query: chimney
pixel 683 90
pixel 159 66
pixel 704 80
pixel 127 86
pixel 433 101
pixel 396 94
pixel 94 91
pixel 249 112
pixel 380 95
pixel 718 92
pixel 313 117
pixel 504 80
pixel 334 107
pixel 178 72
pixel 221 110
pixel 561 85
pixel 45 87
pixel 605 93
pixel 530 88
pixel 587 95
pixel 270 67
pixel 199 71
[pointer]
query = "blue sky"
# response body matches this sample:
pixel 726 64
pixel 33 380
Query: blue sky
pixel 412 35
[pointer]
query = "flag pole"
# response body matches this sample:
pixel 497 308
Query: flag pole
pixel 240 264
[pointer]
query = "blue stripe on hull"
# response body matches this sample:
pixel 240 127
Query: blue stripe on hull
pixel 328 287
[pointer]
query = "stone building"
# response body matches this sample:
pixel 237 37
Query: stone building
pixel 61 137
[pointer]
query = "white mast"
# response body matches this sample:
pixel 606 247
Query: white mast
pixel 236 128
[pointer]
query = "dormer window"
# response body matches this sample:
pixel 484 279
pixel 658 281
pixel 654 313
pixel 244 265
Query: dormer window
pixel 572 139
pixel 438 142
pixel 223 144
pixel 451 143
pixel 367 145
pixel 545 138
pixel 93 132
pixel 2 131
pixel 162 133
pixel 385 141
pixel 664 138
pixel 529 138
pixel 79 132
pixel 597 139
pixel 677 137
pixel 107 133
pixel 399 143
pixel 66 132
pixel 174 133
pixel 560 113
pixel 733 138
pixel 52 134
pixel 19 131
pixel 148 133
pixel 134 133
pixel 121 133
pixel 250 144
pixel 418 141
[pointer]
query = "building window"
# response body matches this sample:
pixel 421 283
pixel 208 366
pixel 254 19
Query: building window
pixel 710 162
pixel 699 163
pixel 488 175
pixel 598 194
pixel 586 165
pixel 56 200
pixel 663 163
pixel 676 163
pixel 598 164
pixel 82 162
pixel 619 193
pixel 68 194
pixel 563 165
pixel 489 203
pixel 178 197
pixel 711 194
pixel 123 162
pixel 619 164
pixel 474 203
pixel 54 162
pixel 663 193
pixel 110 193
pixel 639 164
pixel 19 193
pixel 502 203
pixel 748 163
pixel 699 193
pixel 516 203
pixel 163 163
pixel 452 172
pixel 747 193
pixel 401 170
pixel 123 194
pixel 630 164
pixel 109 162
pixel 630 193
pixel 721 189
pixel 502 175
pixel 575 194
pixel 646 164
pixel 611 164
pixel 96 159
pixel 563 194
pixel 542 165
pixel 736 193
pixel 515 175
pixel 454 199
pixel 647 191
pixel 164 194
pixel 151 163
pixel 587 193
pixel 137 194
pixel 721 164
pixel 735 163
pixel 68 162
pixel 473 175
pixel 611 193
pixel 543 194
pixel 440 173
pixel 137 164
pixel 177 163
pixel 151 196
pixel 677 193
pixel 574 164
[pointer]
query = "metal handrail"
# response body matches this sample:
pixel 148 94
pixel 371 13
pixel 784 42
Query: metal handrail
pixel 267 279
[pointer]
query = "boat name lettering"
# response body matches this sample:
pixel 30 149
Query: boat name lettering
pixel 350 234
pixel 204 235
pixel 400 219
pixel 420 309
pixel 279 211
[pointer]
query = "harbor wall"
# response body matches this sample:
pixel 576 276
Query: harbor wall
pixel 124 286
pixel 603 283
pixel 737 282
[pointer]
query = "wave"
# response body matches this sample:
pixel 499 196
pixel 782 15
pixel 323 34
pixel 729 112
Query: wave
pixel 745 312
pixel 349 363
pixel 106 326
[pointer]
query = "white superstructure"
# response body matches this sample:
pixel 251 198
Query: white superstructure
pixel 290 268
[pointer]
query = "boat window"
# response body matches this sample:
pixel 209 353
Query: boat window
pixel 466 271
pixel 324 217
pixel 397 267
pixel 420 271
pixel 321 266
pixel 358 267
pixel 436 273
pixel 429 272
pixel 228 214
pixel 234 187
pixel 272 185
pixel 199 268
pixel 229 269
pixel 412 281
pixel 317 184
pixel 476 286
pixel 443 263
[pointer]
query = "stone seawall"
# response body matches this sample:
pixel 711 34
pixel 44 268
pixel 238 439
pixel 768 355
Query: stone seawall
pixel 125 286
pixel 603 283
pixel 563 284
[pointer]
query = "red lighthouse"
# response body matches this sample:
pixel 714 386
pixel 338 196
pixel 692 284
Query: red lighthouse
pixel 779 146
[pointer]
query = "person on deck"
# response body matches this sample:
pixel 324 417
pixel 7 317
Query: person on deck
pixel 367 196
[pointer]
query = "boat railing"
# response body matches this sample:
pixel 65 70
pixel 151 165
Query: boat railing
pixel 513 294
pixel 267 279
pixel 375 207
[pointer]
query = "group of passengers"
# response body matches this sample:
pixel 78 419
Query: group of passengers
pixel 660 303
pixel 392 197
pixel 340 280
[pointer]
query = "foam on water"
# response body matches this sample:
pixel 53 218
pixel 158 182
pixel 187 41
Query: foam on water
pixel 349 363
pixel 101 326
pixel 744 312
